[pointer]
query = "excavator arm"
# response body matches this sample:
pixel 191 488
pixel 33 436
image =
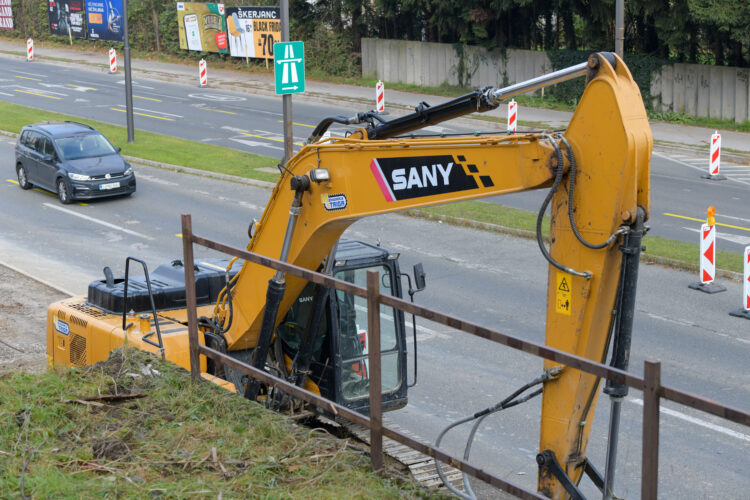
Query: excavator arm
pixel 598 169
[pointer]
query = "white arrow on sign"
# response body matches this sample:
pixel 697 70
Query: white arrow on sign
pixel 289 88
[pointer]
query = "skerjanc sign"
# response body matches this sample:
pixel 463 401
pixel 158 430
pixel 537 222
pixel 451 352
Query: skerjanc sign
pixel 252 31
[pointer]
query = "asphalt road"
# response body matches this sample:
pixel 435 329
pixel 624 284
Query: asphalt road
pixel 253 123
pixel 491 279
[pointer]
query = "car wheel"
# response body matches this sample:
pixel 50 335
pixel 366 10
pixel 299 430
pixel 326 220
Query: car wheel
pixel 23 179
pixel 63 192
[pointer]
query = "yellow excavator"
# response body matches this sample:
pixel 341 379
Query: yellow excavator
pixel 597 172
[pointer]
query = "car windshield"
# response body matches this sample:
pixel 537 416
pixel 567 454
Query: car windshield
pixel 84 146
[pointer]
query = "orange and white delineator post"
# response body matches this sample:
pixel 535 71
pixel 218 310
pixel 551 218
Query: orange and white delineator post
pixel 29 50
pixel 714 161
pixel 380 97
pixel 708 256
pixel 744 311
pixel 203 73
pixel 112 61
pixel 512 116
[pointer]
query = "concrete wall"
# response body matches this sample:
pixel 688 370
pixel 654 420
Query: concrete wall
pixel 432 64
pixel 693 89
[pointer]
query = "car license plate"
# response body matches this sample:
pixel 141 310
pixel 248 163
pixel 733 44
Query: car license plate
pixel 109 185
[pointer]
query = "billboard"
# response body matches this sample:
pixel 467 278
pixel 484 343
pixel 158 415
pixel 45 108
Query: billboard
pixel 202 27
pixel 66 18
pixel 104 19
pixel 252 31
pixel 6 15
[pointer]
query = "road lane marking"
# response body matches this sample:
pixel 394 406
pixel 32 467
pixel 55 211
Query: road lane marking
pixel 696 421
pixel 300 124
pixel 153 111
pixel 673 158
pixel 704 220
pixel 97 221
pixel 4 93
pixel 147 98
pixel 220 111
pixel 40 95
pixel 80 87
pixel 29 78
pixel 269 138
pixel 144 114
pixel 27 73
pixel 44 191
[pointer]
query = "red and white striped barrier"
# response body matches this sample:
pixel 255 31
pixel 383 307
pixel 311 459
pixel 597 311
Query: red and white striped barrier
pixel 714 161
pixel 380 97
pixel 512 115
pixel 708 253
pixel 744 311
pixel 203 73
pixel 112 61
pixel 29 50
pixel 708 256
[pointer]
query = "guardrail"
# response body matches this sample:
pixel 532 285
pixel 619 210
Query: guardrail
pixel 649 384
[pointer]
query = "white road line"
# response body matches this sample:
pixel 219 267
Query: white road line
pixel 97 221
pixel 703 169
pixel 25 73
pixel 3 93
pixel 733 238
pixel 39 91
pixel 697 421
pixel 152 111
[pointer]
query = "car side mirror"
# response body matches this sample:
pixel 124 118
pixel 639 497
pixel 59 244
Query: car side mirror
pixel 47 157
pixel 118 149
pixel 419 277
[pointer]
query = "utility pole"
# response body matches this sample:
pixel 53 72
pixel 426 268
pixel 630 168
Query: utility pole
pixel 286 99
pixel 128 80
pixel 620 27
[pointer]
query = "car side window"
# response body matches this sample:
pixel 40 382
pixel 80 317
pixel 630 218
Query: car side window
pixel 35 141
pixel 47 148
pixel 24 140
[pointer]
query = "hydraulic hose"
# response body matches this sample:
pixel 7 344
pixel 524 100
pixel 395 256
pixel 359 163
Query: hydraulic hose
pixel 608 242
pixel 543 209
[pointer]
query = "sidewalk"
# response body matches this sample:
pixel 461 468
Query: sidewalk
pixel 665 134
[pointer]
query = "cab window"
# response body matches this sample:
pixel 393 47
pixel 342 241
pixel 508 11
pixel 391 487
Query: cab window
pixel 353 336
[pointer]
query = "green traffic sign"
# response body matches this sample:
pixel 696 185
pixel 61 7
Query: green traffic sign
pixel 289 67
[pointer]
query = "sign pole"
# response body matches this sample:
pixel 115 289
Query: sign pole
pixel 128 81
pixel 286 99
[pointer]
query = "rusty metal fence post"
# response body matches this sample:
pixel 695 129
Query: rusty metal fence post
pixel 189 263
pixel 373 370
pixel 650 458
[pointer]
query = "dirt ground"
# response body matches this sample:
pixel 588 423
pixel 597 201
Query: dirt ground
pixel 23 313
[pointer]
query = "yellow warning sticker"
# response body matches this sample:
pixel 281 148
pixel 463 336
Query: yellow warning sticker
pixel 563 297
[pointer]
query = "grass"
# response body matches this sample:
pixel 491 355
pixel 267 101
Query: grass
pixel 151 146
pixel 178 440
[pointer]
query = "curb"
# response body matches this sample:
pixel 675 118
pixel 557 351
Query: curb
pixel 38 280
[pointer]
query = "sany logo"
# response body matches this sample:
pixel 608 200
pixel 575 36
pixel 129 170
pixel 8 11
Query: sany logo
pixel 419 176
pixel 427 177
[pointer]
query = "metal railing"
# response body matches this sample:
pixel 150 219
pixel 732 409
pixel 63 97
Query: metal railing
pixel 650 383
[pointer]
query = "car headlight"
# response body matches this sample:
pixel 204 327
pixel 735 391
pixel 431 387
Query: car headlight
pixel 78 177
pixel 128 171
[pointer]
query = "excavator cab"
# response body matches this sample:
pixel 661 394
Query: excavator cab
pixel 339 365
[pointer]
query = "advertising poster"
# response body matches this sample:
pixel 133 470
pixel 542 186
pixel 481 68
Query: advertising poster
pixel 202 27
pixel 6 15
pixel 66 18
pixel 104 19
pixel 252 31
